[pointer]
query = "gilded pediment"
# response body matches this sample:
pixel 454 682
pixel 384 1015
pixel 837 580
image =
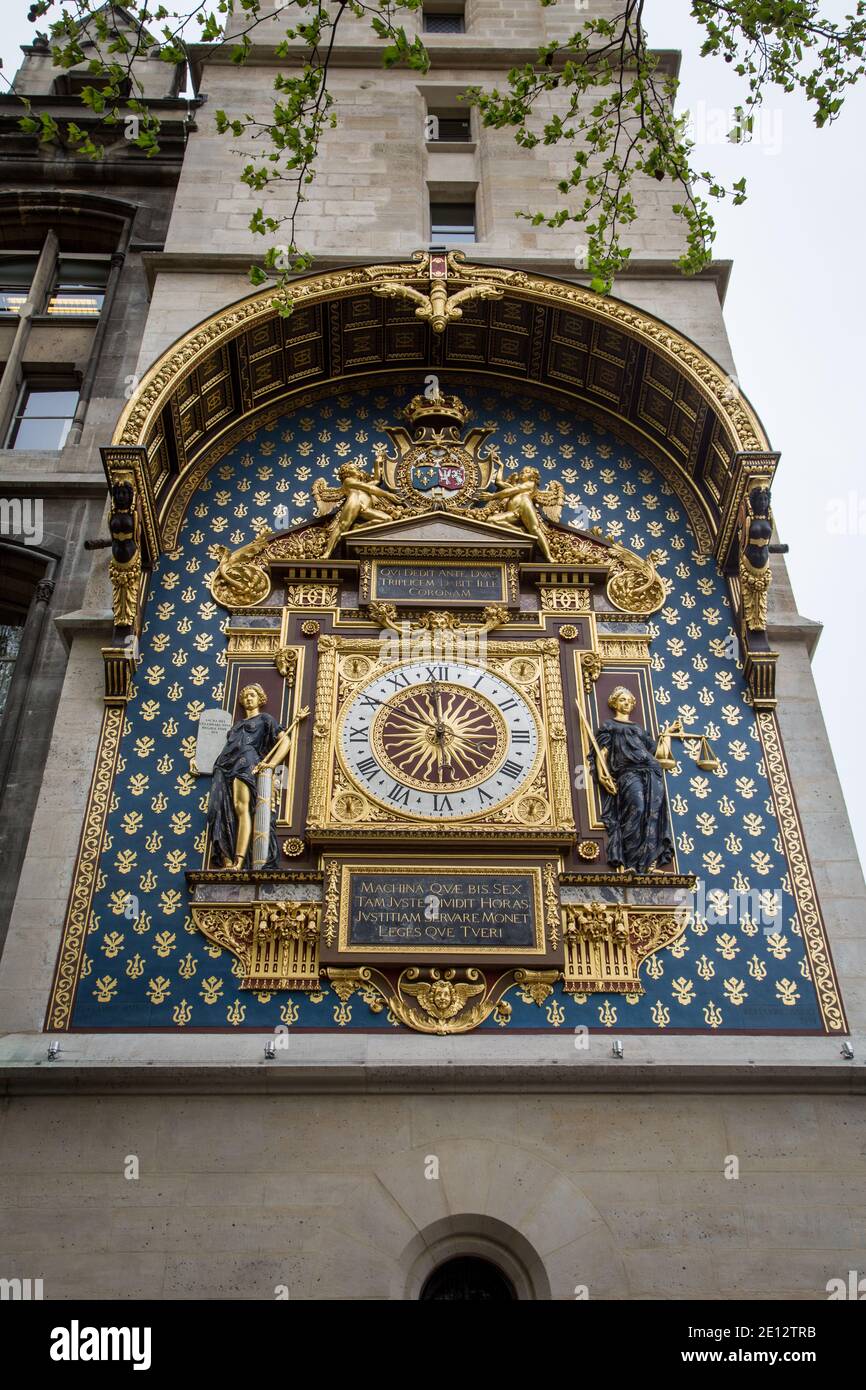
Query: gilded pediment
pixel 436 528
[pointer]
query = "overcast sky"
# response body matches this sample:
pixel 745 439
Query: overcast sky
pixel 794 311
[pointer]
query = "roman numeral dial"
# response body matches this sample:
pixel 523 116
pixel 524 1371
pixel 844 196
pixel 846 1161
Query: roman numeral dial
pixel 442 741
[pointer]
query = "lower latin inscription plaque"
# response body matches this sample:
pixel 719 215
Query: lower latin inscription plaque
pixel 422 911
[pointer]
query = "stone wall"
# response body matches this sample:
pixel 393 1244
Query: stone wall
pixel 328 1196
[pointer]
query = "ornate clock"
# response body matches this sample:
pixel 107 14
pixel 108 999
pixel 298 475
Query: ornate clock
pixel 447 740
pixel 420 744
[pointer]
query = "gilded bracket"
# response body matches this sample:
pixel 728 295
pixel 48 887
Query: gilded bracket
pixel 439 1001
pixel 606 945
pixel 276 943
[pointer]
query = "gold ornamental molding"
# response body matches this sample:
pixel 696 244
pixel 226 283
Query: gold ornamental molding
pixel 613 360
pixel 275 943
pixel 606 945
pixel 439 1001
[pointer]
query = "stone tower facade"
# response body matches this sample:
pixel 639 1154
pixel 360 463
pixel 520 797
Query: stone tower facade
pixel 363 1155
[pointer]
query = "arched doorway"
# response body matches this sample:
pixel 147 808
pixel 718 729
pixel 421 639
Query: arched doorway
pixel 467 1277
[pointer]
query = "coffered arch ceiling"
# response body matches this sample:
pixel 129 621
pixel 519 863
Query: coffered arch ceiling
pixel 607 359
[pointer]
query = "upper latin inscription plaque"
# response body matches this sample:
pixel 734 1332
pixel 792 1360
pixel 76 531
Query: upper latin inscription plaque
pixel 423 582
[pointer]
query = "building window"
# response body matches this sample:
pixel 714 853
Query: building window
pixel 10 641
pixel 444 21
pixel 16 277
pixel 452 222
pixel 44 416
pixel 80 286
pixel 468 1278
pixel 447 124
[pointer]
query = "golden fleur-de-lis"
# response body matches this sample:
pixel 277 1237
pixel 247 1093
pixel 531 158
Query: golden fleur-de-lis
pixel 555 1013
pixel 290 1013
pixel 236 1013
pixel 135 967
pixel 661 1014
pixel 164 943
pixel 757 969
pixel 158 989
pixel 712 1015
pixel 655 967
pixel 705 968
pixel 683 990
pixel 106 988
pixel 607 1015
pixel 187 967
pixel 211 989
pixel 181 1014
pixel 786 991
pixel 735 990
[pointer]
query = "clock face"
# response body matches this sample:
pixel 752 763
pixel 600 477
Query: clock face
pixel 439 741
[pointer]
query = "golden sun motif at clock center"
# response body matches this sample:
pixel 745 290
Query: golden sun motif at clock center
pixel 439 737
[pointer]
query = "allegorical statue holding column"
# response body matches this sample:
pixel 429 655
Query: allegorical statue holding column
pixel 634 804
pixel 240 807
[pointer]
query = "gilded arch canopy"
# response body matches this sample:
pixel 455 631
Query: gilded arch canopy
pixel 610 359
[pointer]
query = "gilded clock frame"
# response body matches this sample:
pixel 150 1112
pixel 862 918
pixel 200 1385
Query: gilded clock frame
pixel 330 778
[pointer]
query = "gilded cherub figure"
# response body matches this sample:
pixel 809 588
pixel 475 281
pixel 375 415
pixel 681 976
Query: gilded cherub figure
pixel 359 498
pixel 516 501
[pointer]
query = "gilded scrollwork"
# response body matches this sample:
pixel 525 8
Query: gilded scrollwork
pixel 242 578
pixel 437 621
pixel 803 885
pixel 634 584
pixel 86 870
pixel 439 1001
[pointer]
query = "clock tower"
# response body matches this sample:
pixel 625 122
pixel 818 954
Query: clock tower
pixel 440 882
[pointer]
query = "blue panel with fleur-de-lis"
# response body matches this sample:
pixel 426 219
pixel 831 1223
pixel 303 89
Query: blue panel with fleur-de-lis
pixel 145 964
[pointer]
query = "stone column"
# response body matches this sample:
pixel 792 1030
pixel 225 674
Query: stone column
pixel 262 824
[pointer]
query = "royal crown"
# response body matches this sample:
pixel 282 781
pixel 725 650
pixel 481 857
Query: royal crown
pixel 423 408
